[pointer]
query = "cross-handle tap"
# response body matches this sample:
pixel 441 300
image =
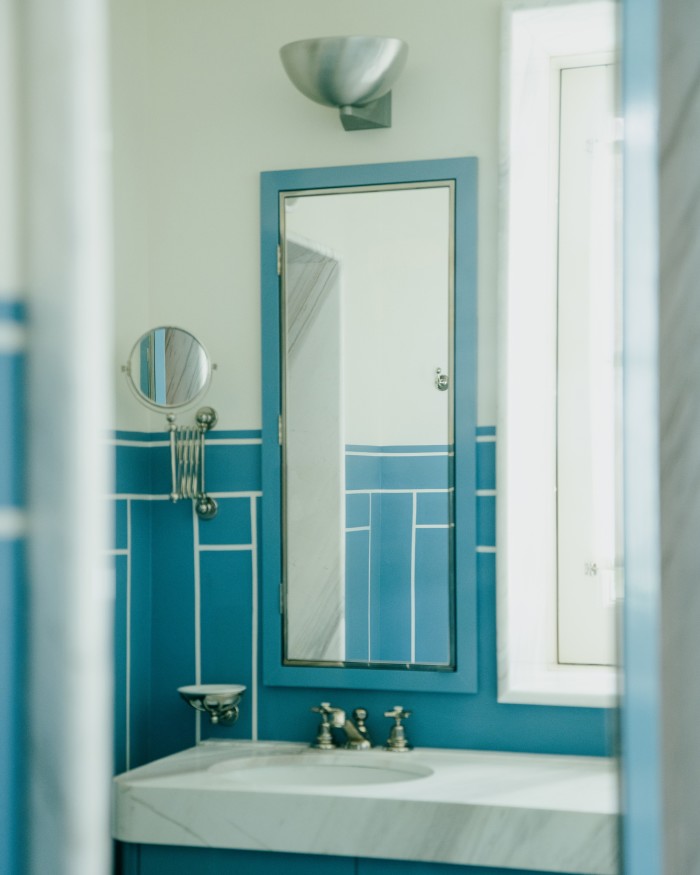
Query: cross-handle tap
pixel 330 716
pixel 397 741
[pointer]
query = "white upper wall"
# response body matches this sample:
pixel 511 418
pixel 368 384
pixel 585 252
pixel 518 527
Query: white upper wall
pixel 202 106
pixel 392 250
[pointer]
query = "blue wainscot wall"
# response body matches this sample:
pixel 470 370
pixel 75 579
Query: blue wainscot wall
pixel 188 611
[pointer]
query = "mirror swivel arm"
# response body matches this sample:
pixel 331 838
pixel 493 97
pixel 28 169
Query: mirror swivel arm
pixel 187 452
pixel 172 429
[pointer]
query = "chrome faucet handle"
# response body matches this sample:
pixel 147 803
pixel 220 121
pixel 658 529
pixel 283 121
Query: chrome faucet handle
pixel 397 741
pixel 324 739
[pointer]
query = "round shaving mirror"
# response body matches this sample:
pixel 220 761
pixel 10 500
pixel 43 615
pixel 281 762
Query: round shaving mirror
pixel 168 368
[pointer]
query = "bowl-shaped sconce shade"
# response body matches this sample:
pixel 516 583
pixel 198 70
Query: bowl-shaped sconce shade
pixel 344 70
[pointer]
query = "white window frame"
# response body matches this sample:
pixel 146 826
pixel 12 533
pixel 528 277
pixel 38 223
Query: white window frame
pixel 535 37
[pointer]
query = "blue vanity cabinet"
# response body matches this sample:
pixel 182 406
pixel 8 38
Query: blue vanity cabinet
pixel 157 859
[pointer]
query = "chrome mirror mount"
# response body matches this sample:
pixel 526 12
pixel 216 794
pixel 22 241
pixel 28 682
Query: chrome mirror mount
pixel 169 369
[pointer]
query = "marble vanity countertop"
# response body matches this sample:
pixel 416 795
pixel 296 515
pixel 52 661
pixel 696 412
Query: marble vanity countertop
pixel 521 811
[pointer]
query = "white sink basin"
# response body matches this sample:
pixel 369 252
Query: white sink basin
pixel 472 808
pixel 321 770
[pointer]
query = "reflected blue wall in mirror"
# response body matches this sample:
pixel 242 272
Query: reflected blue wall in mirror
pixel 458 657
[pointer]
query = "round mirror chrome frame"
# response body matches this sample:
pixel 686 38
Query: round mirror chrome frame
pixel 144 399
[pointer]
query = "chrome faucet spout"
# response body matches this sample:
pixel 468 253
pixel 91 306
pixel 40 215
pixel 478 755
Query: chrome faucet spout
pixel 356 732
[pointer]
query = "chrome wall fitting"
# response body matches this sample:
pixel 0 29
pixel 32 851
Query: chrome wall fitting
pixel 187 452
pixel 219 701
pixel 397 741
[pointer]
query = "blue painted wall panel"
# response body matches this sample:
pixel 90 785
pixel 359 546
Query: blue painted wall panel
pixel 470 720
pixel 161 477
pixel 133 471
pixel 385 469
pixel 356 510
pixel 434 508
pixel 231 525
pixel 362 472
pixel 416 472
pixel 221 476
pixel 486 521
pixel 121 524
pixel 156 860
pixel 121 632
pixel 12 597
pixel 486 465
pixel 172 626
pixel 11 472
pixel 140 564
pixel 12 677
pixel 226 597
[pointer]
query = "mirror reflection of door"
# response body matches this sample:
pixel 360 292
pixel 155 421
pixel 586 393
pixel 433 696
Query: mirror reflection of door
pixel 368 445
pixel 169 367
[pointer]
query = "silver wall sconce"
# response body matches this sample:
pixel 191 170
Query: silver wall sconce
pixel 354 73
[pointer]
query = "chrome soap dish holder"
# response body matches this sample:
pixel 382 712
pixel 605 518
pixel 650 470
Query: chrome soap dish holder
pixel 219 701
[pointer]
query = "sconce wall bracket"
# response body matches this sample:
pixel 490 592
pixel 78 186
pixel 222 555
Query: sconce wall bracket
pixel 376 114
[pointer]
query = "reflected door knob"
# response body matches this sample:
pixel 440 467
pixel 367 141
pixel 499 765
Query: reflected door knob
pixel 442 381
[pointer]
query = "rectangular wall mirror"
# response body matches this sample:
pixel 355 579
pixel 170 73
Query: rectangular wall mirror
pixel 369 424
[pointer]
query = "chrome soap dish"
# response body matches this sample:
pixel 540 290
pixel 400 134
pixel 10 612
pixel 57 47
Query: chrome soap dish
pixel 219 701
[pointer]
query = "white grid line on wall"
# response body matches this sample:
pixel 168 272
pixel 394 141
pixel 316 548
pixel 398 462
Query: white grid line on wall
pixel 221 442
pixel 224 548
pixel 13 523
pixel 254 635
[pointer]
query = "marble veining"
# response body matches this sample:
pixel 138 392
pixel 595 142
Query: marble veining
pixel 525 811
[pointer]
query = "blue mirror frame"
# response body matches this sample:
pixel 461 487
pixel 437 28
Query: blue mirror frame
pixel 464 677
